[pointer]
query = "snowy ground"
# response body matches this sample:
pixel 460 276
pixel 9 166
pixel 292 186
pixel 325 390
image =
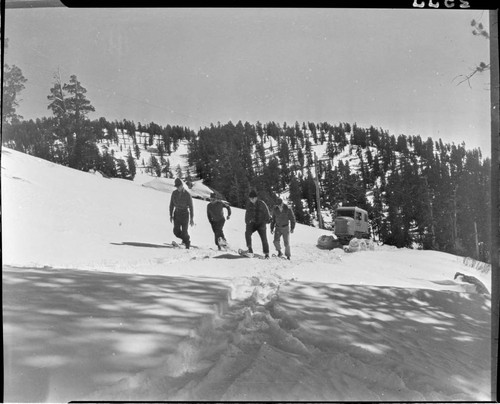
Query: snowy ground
pixel 97 307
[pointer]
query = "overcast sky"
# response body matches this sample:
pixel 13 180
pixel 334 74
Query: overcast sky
pixel 393 69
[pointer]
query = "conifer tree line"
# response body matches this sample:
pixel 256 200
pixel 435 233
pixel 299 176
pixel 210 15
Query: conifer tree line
pixel 416 191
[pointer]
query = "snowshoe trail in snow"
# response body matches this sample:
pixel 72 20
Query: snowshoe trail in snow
pixel 228 342
pixel 253 348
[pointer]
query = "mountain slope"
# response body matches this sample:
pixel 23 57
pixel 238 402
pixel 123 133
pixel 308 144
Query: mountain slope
pixel 108 312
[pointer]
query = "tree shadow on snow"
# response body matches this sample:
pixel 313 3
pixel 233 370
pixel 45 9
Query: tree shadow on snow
pixel 71 332
pixel 435 338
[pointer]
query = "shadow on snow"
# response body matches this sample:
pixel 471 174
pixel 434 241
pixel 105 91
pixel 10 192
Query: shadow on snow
pixel 68 332
pixel 435 338
pixel 139 244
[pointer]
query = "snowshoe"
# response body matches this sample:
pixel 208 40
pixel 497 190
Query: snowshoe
pixel 245 253
pixel 182 245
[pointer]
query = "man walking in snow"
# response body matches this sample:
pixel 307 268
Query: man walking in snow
pixel 181 212
pixel 256 217
pixel 282 224
pixel 215 214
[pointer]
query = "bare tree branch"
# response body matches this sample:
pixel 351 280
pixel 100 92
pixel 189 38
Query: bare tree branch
pixel 479 69
pixel 478 30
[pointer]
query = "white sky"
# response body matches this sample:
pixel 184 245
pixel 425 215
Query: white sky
pixel 393 69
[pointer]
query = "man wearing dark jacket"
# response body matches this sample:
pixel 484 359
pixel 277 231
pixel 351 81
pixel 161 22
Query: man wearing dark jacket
pixel 282 224
pixel 181 212
pixel 256 217
pixel 215 214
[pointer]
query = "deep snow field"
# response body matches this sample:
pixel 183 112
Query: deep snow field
pixel 97 306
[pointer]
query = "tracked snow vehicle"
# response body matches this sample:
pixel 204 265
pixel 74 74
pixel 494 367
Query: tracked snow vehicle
pixel 351 222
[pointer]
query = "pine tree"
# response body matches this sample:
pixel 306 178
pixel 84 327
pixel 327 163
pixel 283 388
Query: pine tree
pixel 284 161
pixel 13 84
pixel 271 175
pixel 308 153
pixel 72 127
pixel 300 158
pixel 377 212
pixel 296 201
pixel 161 150
pixel 166 169
pixel 57 98
pixel 77 104
pixel 402 145
pixel 309 191
pixel 331 150
pixel 131 165
pixel 122 169
pixel 107 165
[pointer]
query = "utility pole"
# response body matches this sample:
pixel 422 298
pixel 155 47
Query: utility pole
pixel 477 241
pixel 455 231
pixel 316 180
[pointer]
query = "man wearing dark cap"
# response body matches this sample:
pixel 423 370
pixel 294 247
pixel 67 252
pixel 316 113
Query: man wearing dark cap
pixel 256 217
pixel 181 212
pixel 215 214
pixel 282 224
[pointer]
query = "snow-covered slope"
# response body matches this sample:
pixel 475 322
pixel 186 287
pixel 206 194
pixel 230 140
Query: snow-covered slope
pixel 97 306
pixel 197 189
pixel 124 145
pixel 178 166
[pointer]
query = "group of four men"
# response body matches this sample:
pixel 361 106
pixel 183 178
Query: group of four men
pixel 257 217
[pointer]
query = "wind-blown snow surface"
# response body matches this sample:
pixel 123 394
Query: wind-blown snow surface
pixel 98 307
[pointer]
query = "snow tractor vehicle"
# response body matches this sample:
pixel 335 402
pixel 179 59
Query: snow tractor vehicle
pixel 351 222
